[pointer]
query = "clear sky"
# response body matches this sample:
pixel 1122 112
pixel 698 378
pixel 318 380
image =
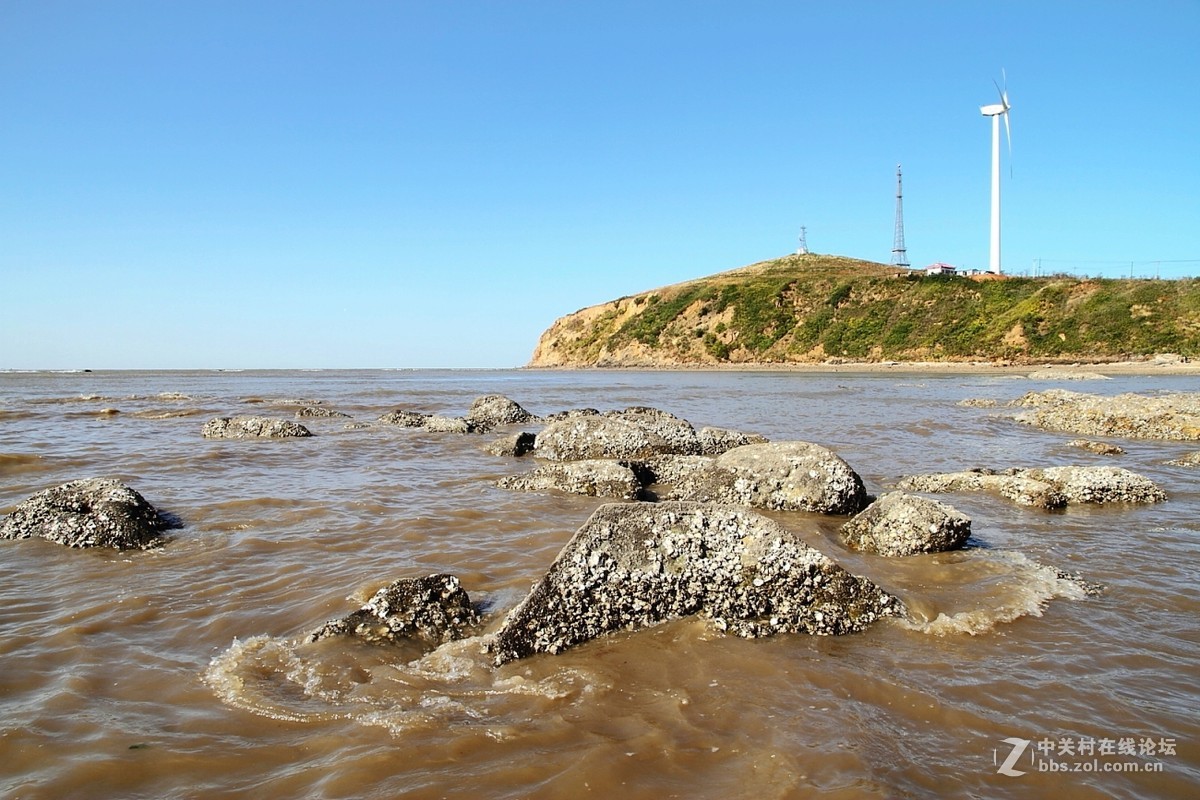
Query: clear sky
pixel 430 184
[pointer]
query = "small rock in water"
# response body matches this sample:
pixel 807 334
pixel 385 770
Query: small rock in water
pixel 900 524
pixel 404 419
pixel 434 609
pixel 1102 448
pixel 443 424
pixel 593 477
pixel 253 428
pixel 320 412
pixel 495 410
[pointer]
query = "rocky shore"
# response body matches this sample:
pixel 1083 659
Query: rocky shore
pixel 689 536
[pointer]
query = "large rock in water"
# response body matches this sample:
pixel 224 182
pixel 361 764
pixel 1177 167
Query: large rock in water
pixel 494 410
pixel 95 512
pixel 253 428
pixel 900 524
pixel 402 418
pixel 634 565
pixel 781 476
pixel 433 609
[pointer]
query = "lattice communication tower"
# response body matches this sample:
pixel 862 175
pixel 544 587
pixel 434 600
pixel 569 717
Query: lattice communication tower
pixel 899 255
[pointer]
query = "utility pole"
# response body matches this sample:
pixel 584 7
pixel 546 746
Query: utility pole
pixel 802 250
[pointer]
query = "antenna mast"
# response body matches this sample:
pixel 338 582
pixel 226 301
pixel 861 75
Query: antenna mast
pixel 899 255
pixel 802 250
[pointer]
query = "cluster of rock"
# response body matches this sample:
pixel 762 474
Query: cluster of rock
pixel 1050 487
pixel 250 427
pixel 433 609
pixel 701 551
pixel 94 512
pixel 1187 460
pixel 1169 416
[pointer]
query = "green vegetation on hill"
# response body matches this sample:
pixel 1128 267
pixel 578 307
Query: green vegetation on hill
pixel 813 307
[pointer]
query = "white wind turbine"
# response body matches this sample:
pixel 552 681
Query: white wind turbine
pixel 996 111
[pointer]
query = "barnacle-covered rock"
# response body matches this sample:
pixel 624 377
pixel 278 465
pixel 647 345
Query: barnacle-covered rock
pixel 433 609
pixel 781 476
pixel 635 565
pixel 94 512
pixel 900 524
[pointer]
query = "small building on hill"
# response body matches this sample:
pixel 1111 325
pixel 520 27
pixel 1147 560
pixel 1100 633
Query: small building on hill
pixel 940 269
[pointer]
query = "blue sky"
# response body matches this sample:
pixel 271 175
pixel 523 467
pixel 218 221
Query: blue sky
pixel 430 184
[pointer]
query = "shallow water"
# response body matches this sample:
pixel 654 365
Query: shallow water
pixel 182 672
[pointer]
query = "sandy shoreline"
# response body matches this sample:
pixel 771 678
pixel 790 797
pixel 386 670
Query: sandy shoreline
pixel 1073 371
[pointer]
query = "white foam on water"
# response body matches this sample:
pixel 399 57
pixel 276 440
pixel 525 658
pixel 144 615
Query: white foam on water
pixel 1025 591
pixel 454 683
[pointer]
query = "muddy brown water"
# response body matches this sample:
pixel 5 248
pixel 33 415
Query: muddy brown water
pixel 182 672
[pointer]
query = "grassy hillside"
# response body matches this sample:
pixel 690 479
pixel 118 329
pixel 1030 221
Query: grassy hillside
pixel 814 307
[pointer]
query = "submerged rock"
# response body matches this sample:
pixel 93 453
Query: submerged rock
pixel 404 419
pixel 1168 416
pixel 1100 448
pixel 95 512
pixel 1188 460
pixel 320 412
pixel 433 609
pixel 634 565
pixel 253 428
pixel 900 524
pixel 1051 374
pixel 594 477
pixel 1051 487
pixel 495 410
pixel 781 476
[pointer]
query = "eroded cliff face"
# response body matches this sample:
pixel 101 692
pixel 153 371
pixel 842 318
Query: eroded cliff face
pixel 593 337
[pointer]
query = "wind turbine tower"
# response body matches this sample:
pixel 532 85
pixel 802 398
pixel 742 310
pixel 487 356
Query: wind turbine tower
pixel 996 111
pixel 899 255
